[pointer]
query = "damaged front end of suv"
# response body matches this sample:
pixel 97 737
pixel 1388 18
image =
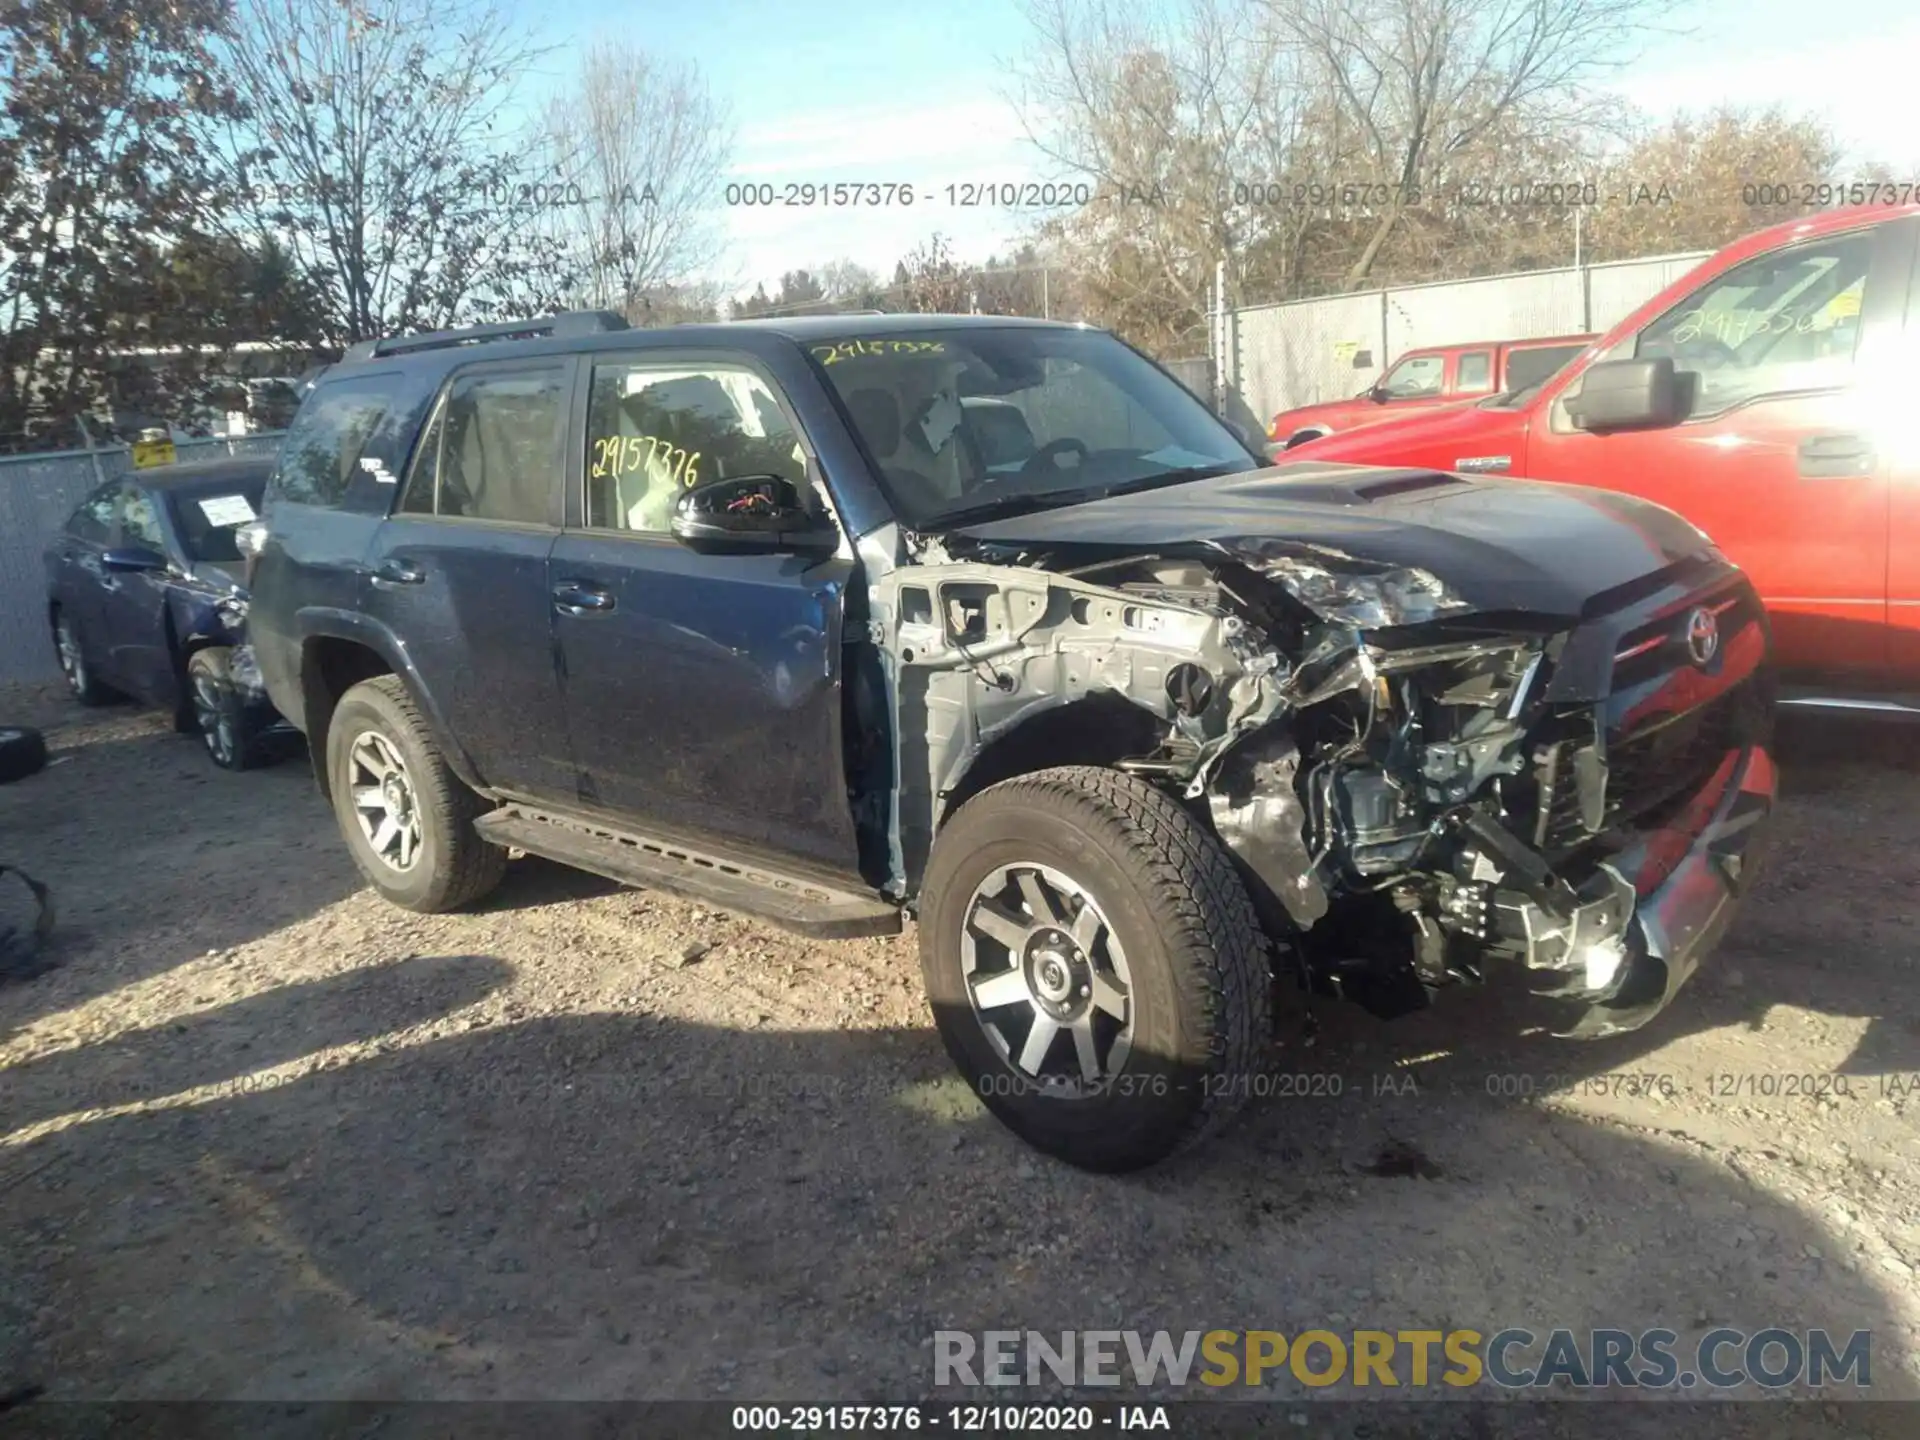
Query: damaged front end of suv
pixel 1437 761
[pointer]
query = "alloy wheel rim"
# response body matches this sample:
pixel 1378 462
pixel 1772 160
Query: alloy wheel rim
pixel 72 663
pixel 384 800
pixel 216 724
pixel 1047 978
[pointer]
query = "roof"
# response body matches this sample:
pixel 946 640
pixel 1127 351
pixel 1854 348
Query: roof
pixel 192 472
pixel 1527 343
pixel 814 327
pixel 450 348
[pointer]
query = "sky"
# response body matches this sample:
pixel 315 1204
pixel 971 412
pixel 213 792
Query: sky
pixel 919 94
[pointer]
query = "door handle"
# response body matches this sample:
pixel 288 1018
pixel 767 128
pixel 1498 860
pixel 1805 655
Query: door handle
pixel 396 571
pixel 578 598
pixel 1835 456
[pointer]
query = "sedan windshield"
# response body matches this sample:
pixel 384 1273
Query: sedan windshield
pixel 966 424
pixel 205 517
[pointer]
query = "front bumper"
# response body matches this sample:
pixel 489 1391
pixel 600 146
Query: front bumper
pixel 1654 910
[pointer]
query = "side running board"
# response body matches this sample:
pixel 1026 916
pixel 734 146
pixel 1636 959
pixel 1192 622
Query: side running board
pixel 802 904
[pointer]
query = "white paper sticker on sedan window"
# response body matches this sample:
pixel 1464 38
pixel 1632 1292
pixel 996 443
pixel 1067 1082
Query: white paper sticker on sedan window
pixel 227 510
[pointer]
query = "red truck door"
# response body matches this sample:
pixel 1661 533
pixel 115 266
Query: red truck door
pixel 1783 459
pixel 1902 434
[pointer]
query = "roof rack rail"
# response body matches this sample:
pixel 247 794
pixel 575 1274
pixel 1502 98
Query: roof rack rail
pixel 568 322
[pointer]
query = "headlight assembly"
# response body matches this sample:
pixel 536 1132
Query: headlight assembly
pixel 1363 598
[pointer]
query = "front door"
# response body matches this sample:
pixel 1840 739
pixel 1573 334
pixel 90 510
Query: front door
pixel 458 572
pixel 702 691
pixel 1780 460
pixel 137 657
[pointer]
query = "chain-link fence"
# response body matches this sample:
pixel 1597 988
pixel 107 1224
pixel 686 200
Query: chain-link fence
pixel 1304 352
pixel 37 494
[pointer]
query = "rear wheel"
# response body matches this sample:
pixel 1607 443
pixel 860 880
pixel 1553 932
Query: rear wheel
pixel 1095 966
pixel 406 817
pixel 73 663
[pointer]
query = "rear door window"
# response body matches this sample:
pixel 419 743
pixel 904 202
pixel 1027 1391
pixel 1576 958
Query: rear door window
pixel 1473 372
pixel 493 449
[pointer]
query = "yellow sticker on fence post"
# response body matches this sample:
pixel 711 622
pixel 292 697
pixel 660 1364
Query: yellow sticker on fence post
pixel 148 453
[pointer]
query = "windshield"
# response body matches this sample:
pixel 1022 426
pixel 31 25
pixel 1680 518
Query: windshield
pixel 966 423
pixel 205 517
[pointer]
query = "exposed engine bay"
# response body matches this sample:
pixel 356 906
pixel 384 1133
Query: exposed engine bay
pixel 1417 789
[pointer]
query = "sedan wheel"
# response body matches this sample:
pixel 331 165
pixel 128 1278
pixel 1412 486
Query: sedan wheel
pixel 384 801
pixel 215 720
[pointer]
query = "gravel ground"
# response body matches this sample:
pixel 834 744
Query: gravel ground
pixel 263 1136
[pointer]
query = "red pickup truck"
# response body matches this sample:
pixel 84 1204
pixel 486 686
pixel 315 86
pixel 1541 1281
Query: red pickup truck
pixel 1772 397
pixel 1432 375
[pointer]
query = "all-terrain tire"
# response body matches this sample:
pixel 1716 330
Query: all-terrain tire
pixel 1198 967
pixel 22 752
pixel 228 729
pixel 453 865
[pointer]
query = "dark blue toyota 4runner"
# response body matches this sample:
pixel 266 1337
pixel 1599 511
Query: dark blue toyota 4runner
pixel 991 623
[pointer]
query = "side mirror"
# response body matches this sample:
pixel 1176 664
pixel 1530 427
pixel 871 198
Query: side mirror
pixel 1626 395
pixel 751 515
pixel 133 557
pixel 1378 394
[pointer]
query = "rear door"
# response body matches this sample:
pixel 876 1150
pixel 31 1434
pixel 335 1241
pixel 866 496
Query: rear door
pixel 702 691
pixel 1782 459
pixel 458 571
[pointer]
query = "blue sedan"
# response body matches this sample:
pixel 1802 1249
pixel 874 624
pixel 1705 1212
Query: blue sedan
pixel 146 598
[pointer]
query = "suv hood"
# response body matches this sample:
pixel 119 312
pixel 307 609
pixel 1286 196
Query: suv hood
pixel 1497 544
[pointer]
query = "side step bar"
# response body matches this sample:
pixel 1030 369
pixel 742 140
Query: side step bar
pixel 801 904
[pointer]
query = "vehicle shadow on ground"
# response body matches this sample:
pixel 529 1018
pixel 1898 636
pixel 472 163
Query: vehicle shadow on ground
pixel 632 1206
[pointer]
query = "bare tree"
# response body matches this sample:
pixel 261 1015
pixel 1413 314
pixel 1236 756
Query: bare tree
pixel 1172 114
pixel 1422 85
pixel 379 149
pixel 638 147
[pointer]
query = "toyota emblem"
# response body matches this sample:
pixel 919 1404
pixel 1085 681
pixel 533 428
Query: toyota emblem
pixel 1703 636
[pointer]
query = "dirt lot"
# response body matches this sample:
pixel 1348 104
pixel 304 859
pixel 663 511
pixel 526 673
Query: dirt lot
pixel 263 1136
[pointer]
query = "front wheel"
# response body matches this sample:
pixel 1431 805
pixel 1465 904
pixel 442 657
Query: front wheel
pixel 226 725
pixel 407 818
pixel 1095 966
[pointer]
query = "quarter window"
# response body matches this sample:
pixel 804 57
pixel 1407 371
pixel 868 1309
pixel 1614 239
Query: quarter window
pixel 324 445
pixel 1786 321
pixel 654 432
